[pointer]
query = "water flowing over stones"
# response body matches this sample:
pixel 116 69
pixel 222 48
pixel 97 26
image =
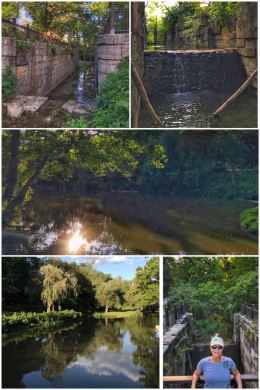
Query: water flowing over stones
pixel 192 70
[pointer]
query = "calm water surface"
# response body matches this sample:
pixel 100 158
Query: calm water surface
pixel 92 354
pixel 194 109
pixel 128 223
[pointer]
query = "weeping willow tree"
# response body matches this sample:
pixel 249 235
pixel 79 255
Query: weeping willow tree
pixel 57 286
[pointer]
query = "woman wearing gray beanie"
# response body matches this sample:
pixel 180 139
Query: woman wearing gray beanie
pixel 216 369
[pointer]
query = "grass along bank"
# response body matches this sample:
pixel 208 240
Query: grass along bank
pixel 116 314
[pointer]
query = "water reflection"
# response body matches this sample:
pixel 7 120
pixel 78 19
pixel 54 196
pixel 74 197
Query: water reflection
pixel 108 223
pixel 112 354
pixel 194 109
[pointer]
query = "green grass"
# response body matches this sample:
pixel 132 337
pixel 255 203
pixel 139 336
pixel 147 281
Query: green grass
pixel 115 314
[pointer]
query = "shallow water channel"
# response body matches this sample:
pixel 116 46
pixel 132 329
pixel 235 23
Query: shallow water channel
pixel 121 353
pixel 79 86
pixel 128 223
pixel 194 110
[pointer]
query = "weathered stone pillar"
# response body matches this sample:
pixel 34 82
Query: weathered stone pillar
pixel 110 50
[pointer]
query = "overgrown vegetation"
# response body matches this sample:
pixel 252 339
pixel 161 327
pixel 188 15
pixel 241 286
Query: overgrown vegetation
pixel 249 220
pixel 192 17
pixel 113 100
pixel 212 289
pixel 9 82
pixel 55 284
pixel 22 319
pixel 189 17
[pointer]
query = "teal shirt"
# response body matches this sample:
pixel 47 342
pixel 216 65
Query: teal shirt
pixel 216 375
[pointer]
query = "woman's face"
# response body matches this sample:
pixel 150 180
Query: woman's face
pixel 216 350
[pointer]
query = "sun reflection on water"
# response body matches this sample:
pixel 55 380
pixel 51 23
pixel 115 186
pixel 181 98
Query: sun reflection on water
pixel 77 241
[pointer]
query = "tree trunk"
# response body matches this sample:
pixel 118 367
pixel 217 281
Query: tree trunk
pixel 13 165
pixel 19 198
pixel 106 309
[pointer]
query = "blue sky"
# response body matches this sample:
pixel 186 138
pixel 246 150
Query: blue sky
pixel 124 266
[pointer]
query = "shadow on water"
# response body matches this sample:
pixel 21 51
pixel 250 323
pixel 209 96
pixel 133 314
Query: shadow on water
pixel 194 109
pixel 93 354
pixel 124 223
pixel 79 86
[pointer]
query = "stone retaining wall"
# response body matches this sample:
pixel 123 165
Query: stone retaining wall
pixel 176 341
pixel 110 50
pixel 246 333
pixel 242 36
pixel 192 70
pixel 39 66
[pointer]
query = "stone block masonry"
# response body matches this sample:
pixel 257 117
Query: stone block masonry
pixel 192 70
pixel 246 333
pixel 241 35
pixel 110 50
pixel 39 69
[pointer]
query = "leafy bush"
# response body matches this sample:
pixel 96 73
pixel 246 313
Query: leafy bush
pixel 77 123
pixel 249 220
pixel 113 100
pixel 17 319
pixel 9 82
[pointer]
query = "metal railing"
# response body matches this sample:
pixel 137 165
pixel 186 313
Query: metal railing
pixel 173 313
pixel 184 379
pixel 24 33
pixel 250 311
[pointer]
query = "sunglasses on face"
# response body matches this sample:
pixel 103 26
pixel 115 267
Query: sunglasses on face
pixel 217 347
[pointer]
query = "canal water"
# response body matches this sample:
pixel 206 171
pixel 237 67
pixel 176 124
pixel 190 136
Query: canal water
pixel 128 223
pixel 194 109
pixel 79 86
pixel 122 353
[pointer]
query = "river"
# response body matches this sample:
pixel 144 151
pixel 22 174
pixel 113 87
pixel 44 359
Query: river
pixel 128 223
pixel 122 353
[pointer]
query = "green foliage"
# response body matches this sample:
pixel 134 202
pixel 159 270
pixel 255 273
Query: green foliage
pixel 249 220
pixel 113 100
pixel 212 289
pixel 116 314
pixel 27 281
pixel 192 17
pixel 15 320
pixel 54 49
pixel 77 123
pixel 57 285
pixel 21 46
pixel 144 290
pixel 9 82
pixel 10 9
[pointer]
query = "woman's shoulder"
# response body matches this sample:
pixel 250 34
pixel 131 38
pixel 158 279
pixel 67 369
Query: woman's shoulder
pixel 205 360
pixel 227 359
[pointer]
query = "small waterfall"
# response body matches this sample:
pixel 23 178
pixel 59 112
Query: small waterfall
pixel 179 73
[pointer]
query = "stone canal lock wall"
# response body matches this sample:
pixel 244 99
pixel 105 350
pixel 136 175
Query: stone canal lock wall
pixel 176 341
pixel 241 35
pixel 39 66
pixel 192 70
pixel 110 50
pixel 246 334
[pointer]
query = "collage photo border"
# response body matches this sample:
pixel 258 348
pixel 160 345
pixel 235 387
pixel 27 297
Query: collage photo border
pixel 160 256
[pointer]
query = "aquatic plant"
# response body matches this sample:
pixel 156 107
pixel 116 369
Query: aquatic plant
pixel 249 220
pixel 23 319
pixel 9 82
